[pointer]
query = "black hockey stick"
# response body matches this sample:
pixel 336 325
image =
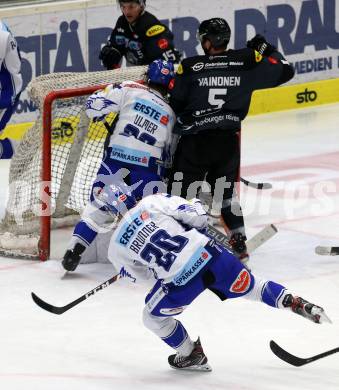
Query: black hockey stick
pixel 61 309
pixel 327 250
pixel 297 361
pixel 258 186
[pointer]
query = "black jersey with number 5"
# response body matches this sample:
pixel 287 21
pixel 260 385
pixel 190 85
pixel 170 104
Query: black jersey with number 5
pixel 214 92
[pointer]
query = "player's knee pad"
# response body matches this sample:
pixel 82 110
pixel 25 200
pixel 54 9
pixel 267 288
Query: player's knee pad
pixel 162 326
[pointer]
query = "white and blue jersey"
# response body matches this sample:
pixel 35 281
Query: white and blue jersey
pixel 10 63
pixel 10 76
pixel 159 237
pixel 144 129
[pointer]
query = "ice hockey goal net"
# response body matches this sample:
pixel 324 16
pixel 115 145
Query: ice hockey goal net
pixel 56 161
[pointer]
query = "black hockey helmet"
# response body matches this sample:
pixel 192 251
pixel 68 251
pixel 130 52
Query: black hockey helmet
pixel 215 30
pixel 142 3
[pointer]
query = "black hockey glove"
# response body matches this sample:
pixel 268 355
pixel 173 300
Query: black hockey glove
pixel 260 44
pixel 110 56
pixel 72 257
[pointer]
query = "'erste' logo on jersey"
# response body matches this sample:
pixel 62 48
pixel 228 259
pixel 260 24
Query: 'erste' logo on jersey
pixel 152 111
pixel 155 30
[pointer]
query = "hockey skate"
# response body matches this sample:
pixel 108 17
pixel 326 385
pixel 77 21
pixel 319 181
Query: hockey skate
pixel 238 244
pixel 306 309
pixel 196 361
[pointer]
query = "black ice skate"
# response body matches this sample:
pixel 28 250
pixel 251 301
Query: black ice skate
pixel 238 244
pixel 196 361
pixel 306 309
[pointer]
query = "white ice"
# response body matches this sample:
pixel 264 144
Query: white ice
pixel 102 344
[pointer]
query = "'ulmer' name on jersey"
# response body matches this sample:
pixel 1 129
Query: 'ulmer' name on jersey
pixel 219 81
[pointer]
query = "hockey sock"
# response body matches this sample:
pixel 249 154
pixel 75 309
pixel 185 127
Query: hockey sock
pixel 6 148
pixel 267 291
pixel 179 340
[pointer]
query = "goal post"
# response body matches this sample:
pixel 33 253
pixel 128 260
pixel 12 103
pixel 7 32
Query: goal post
pixel 56 162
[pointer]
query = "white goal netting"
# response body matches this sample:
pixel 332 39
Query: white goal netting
pixel 76 151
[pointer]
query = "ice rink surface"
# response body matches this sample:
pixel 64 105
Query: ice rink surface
pixel 102 344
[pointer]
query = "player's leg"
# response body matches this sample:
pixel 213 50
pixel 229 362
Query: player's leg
pixel 222 178
pixel 189 167
pixel 7 145
pixel 164 302
pixel 231 279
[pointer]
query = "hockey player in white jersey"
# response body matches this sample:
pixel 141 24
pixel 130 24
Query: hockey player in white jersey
pixel 10 85
pixel 140 143
pixel 162 238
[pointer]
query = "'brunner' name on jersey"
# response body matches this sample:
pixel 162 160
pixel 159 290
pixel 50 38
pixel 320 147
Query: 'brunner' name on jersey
pixel 219 81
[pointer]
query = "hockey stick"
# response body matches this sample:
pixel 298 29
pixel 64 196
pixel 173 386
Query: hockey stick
pixel 258 186
pixel 252 244
pixel 327 250
pixel 295 360
pixel 61 309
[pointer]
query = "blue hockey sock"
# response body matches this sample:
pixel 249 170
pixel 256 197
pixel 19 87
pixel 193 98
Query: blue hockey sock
pixel 6 149
pixel 271 293
pixel 177 337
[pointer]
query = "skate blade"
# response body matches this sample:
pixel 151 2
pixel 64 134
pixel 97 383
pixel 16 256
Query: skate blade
pixel 202 368
pixel 324 318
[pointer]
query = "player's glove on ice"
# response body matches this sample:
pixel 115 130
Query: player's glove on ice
pixel 72 257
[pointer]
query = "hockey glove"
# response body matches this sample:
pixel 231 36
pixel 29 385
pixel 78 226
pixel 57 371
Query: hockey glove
pixel 260 44
pixel 110 56
pixel 72 257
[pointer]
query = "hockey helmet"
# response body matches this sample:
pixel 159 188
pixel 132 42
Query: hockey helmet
pixel 215 30
pixel 142 3
pixel 160 72
pixel 117 198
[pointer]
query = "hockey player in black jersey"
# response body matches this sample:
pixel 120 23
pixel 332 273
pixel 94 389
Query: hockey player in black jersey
pixel 211 96
pixel 139 36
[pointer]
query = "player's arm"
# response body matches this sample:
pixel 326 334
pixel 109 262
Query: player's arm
pixel 159 43
pixel 111 54
pixel 188 212
pixel 179 92
pixel 277 69
pixel 105 101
